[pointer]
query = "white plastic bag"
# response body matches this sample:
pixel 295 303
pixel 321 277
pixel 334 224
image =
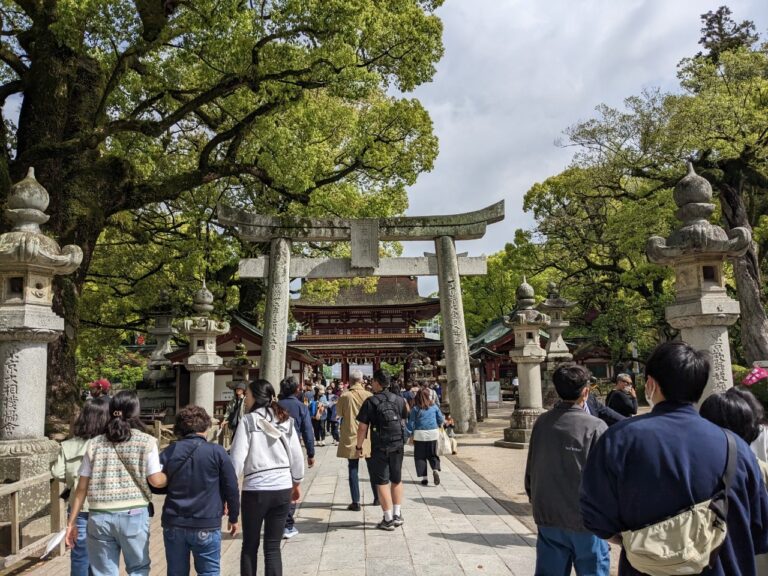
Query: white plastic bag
pixel 443 443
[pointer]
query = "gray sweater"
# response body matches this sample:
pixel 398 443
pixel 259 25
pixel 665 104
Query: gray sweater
pixel 559 446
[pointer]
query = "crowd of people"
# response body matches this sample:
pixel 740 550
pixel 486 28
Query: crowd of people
pixel 678 487
pixel 112 467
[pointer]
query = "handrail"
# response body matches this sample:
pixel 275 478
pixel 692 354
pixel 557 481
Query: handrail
pixel 7 489
pixel 56 511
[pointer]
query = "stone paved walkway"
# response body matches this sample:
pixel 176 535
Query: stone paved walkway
pixel 451 529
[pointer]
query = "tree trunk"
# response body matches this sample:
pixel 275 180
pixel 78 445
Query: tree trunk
pixel 754 322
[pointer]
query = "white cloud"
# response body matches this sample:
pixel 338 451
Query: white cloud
pixel 516 73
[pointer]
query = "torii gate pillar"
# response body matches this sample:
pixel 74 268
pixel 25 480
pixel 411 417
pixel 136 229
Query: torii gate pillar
pixel 459 376
pixel 272 366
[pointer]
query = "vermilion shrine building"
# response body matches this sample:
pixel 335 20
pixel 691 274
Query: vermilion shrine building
pixel 360 327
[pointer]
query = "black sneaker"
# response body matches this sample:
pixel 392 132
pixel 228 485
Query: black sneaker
pixel 398 521
pixel 436 476
pixel 375 503
pixel 354 507
pixel 388 525
pixel 424 482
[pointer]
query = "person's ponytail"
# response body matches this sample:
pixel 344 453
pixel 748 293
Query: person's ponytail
pixel 124 412
pixel 264 397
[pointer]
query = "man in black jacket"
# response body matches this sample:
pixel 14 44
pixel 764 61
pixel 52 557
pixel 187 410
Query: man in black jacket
pixel 289 400
pixel 623 398
pixel 201 481
pixel 597 408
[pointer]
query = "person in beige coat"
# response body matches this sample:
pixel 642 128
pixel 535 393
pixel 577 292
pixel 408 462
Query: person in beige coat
pixel 346 409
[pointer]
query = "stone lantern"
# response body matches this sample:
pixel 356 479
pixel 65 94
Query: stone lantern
pixel 203 361
pixel 557 350
pixel 159 367
pixel 240 365
pixel 29 260
pixel 528 355
pixel 702 310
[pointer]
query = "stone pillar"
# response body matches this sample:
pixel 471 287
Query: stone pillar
pixel 459 376
pixel 29 260
pixel 556 349
pixel 203 361
pixel 272 366
pixel 528 355
pixel 702 310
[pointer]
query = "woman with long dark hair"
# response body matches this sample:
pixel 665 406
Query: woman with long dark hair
pixel 424 422
pixel 90 423
pixel 116 471
pixel 267 453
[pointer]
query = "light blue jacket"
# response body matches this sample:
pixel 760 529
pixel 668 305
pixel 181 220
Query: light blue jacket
pixel 424 419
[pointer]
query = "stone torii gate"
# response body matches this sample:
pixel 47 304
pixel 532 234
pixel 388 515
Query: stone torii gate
pixel 365 234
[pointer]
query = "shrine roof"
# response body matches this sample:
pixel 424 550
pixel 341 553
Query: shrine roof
pixel 241 327
pixel 390 291
pixel 495 334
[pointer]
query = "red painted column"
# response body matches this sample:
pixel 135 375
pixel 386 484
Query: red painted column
pixel 345 370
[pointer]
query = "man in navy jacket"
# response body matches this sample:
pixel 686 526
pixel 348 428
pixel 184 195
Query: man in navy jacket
pixel 289 400
pixel 650 467
pixel 201 480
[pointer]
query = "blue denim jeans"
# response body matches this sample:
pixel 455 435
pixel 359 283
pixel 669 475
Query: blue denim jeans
pixel 354 479
pixel 110 533
pixel 205 546
pixel 78 557
pixel 558 550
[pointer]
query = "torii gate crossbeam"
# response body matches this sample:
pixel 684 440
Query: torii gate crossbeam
pixel 365 235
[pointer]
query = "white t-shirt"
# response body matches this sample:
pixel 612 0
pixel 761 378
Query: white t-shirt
pixel 153 464
pixel 760 445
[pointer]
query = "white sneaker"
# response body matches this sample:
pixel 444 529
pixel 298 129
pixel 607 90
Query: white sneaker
pixel 290 533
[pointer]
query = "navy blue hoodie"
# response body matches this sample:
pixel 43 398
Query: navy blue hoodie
pixel 199 485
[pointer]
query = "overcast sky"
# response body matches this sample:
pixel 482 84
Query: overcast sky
pixel 516 73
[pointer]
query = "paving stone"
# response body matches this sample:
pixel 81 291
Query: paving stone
pixel 450 530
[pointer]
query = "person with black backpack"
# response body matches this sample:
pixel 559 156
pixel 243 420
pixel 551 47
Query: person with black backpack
pixel 385 413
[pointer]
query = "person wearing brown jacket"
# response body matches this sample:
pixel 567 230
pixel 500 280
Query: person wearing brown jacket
pixel 347 408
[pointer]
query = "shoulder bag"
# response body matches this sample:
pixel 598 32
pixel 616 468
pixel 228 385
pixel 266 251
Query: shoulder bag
pixel 688 542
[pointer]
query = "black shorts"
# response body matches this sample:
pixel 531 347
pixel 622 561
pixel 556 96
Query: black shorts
pixel 387 467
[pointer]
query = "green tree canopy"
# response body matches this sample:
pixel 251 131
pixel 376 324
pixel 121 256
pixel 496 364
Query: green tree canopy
pixel 593 219
pixel 134 105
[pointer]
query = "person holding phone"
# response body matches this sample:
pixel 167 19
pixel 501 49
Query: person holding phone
pixel 623 398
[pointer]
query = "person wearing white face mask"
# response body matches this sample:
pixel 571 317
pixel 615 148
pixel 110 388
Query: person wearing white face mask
pixel 654 467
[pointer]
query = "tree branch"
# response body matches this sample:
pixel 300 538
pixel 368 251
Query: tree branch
pixel 12 60
pixel 6 90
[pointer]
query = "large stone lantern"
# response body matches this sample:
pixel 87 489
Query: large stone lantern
pixel 702 310
pixel 557 350
pixel 528 355
pixel 240 365
pixel 29 260
pixel 203 361
pixel 159 368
